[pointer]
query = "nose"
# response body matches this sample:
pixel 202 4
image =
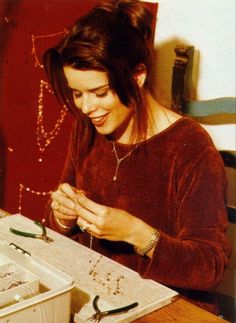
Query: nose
pixel 87 104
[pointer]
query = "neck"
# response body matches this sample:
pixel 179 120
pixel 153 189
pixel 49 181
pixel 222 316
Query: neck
pixel 157 121
pixel 160 118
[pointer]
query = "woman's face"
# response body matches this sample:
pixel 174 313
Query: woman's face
pixel 93 96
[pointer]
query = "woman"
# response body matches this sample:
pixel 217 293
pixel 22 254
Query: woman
pixel 141 184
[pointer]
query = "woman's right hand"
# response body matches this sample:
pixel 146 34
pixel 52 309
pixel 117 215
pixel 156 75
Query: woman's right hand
pixel 63 204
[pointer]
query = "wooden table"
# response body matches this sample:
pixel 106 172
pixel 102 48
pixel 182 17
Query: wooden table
pixel 180 311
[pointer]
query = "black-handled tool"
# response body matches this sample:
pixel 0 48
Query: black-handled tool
pixel 98 315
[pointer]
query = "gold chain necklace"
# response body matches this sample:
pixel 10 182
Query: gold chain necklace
pixel 119 160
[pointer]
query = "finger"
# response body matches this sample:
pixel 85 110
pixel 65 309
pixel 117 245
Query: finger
pixel 89 228
pixel 84 214
pixel 63 216
pixel 64 210
pixel 83 225
pixel 63 213
pixel 69 191
pixel 55 205
pixel 62 200
pixel 96 232
pixel 88 204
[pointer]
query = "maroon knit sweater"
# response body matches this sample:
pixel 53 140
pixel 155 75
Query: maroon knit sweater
pixel 175 182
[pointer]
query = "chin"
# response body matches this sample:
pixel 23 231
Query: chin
pixel 103 131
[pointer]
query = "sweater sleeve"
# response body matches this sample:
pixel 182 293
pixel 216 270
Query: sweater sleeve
pixel 69 171
pixel 197 256
pixel 68 176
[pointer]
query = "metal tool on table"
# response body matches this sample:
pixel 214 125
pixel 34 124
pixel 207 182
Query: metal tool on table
pixel 43 236
pixel 98 315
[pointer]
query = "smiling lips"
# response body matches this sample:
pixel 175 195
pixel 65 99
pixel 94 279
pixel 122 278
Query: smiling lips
pixel 99 121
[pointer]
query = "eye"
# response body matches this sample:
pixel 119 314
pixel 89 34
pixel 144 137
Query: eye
pixel 77 94
pixel 102 92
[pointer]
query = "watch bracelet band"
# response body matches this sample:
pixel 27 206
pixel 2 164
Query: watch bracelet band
pixel 153 241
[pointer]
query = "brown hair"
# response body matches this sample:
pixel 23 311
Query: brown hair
pixel 115 37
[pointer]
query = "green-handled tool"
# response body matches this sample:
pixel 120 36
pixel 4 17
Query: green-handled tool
pixel 43 236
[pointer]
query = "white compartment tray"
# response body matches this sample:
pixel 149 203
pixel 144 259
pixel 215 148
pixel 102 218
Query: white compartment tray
pixel 43 293
pixel 17 286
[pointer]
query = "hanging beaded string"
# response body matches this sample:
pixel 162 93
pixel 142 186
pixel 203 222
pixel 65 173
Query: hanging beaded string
pixel 44 138
pixel 23 188
pixel 34 38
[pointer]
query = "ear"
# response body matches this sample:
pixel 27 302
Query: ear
pixel 140 75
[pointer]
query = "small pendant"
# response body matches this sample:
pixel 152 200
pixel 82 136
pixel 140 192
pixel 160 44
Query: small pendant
pixel 117 167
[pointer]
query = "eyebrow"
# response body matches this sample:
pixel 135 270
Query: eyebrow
pixel 93 89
